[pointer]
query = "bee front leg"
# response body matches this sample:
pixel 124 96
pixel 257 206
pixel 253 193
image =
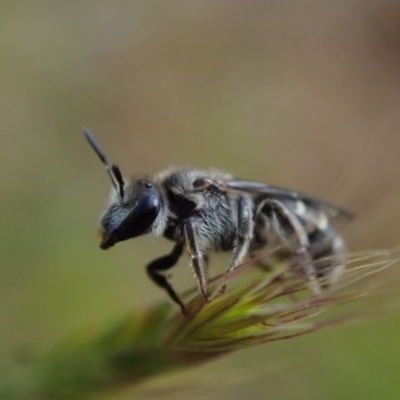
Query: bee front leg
pixel 197 259
pixel 244 232
pixel 286 226
pixel 162 264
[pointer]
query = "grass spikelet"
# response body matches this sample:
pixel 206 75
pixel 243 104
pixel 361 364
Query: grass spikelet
pixel 248 307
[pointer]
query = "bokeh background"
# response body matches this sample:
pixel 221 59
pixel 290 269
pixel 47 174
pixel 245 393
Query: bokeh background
pixel 302 94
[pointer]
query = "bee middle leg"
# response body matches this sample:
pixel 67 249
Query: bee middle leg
pixel 288 228
pixel 244 233
pixel 197 258
pixel 162 264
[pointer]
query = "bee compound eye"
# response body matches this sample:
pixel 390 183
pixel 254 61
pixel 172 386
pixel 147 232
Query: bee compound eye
pixel 140 219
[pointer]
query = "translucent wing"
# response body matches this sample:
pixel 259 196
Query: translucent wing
pixel 281 193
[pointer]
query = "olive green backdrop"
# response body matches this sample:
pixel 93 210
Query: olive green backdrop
pixel 302 94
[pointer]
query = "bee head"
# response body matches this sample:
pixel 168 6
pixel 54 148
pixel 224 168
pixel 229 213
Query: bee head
pixel 131 215
pixel 134 207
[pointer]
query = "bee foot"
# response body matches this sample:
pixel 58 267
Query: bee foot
pixel 222 290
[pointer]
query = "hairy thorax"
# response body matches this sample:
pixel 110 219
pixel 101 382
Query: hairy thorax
pixel 202 206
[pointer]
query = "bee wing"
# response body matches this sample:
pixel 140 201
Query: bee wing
pixel 276 192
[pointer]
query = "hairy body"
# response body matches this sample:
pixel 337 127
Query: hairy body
pixel 208 210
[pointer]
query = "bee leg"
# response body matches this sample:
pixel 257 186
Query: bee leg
pixel 331 260
pixel 162 264
pixel 197 258
pixel 244 233
pixel 286 226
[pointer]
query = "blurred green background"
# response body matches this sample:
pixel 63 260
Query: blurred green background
pixel 302 94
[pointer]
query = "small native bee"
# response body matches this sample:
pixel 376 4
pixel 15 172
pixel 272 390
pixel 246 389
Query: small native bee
pixel 208 210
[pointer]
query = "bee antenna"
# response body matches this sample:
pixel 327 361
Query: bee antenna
pixel 113 171
pixel 118 176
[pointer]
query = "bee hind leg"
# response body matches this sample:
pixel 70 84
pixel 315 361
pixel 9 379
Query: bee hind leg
pixel 330 261
pixel 286 226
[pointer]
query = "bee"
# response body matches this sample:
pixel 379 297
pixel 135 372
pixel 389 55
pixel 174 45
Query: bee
pixel 208 210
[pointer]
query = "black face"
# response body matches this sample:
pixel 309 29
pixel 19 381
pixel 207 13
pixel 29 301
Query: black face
pixel 132 217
